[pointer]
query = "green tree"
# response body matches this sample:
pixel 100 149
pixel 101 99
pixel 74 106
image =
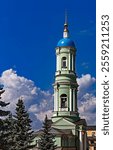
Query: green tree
pixel 22 131
pixel 3 104
pixel 47 139
pixel 3 123
pixel 10 122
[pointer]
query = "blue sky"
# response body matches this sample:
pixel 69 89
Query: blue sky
pixel 30 30
pixel 29 33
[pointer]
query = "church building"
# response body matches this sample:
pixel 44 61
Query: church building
pixel 69 128
pixel 65 119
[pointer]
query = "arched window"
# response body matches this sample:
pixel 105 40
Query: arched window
pixel 64 62
pixel 63 101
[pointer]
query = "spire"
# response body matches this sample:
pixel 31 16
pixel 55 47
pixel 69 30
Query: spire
pixel 66 19
pixel 66 31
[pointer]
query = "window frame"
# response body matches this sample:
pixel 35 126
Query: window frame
pixel 64 62
pixel 63 104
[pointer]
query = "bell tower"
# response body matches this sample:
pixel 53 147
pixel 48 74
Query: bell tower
pixel 69 128
pixel 65 86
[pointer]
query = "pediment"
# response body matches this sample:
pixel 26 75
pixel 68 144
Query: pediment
pixel 63 122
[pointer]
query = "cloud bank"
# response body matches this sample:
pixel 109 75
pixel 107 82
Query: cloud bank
pixel 39 102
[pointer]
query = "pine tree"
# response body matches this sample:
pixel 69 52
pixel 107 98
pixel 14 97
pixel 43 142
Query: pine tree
pixel 3 104
pixel 47 139
pixel 10 122
pixel 22 131
pixel 3 124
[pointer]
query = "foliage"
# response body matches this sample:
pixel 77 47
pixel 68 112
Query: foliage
pixel 22 131
pixel 3 122
pixel 47 139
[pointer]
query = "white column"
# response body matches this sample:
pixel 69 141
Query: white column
pixel 70 99
pixel 72 63
pixel 57 62
pixel 85 141
pixel 73 99
pixel 80 139
pixel 57 97
pixel 69 61
pixel 55 100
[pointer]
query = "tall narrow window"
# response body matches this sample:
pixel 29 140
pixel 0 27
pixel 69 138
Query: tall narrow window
pixel 64 62
pixel 63 101
pixel 65 141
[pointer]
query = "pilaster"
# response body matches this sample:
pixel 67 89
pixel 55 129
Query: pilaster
pixel 73 99
pixel 70 99
pixel 81 139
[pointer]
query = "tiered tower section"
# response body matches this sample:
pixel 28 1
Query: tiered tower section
pixel 65 86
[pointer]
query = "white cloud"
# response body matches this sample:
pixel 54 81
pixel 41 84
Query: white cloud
pixel 85 81
pixel 89 31
pixel 87 108
pixel 45 107
pixel 42 115
pixel 15 87
pixel 33 108
pixel 38 102
pixel 86 98
pixel 85 65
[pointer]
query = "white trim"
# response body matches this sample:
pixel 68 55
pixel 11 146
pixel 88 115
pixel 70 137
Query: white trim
pixel 57 65
pixel 73 99
pixel 69 61
pixel 72 63
pixel 55 100
pixel 70 99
